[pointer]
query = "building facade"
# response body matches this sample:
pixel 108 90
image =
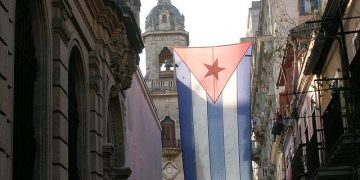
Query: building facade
pixel 276 20
pixel 164 30
pixel 328 128
pixel 64 69
pixel 263 100
pixel 314 127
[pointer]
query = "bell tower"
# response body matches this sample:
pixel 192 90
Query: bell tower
pixel 164 30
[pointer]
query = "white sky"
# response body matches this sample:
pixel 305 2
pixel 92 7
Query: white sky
pixel 208 22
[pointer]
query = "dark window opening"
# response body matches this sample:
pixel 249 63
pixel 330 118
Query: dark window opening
pixel 73 120
pixel 332 119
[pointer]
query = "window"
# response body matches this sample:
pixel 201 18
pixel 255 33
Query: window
pixel 308 6
pixel 164 18
pixel 168 132
pixel 168 129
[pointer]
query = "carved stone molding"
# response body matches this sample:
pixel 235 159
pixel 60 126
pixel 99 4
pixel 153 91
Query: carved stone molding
pixel 110 172
pixel 108 150
pixel 59 19
pixel 123 61
pixel 170 170
pixel 94 72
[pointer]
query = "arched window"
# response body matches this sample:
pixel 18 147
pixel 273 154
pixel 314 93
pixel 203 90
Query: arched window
pixel 116 131
pixel 168 132
pixel 164 18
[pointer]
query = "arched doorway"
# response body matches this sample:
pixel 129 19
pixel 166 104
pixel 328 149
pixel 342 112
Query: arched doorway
pixel 24 146
pixel 77 131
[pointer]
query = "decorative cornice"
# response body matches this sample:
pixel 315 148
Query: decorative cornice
pixel 124 42
pixel 132 29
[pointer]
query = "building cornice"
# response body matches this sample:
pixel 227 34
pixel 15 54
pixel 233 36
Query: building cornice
pixel 165 33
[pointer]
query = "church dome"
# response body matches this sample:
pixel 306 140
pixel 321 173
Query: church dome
pixel 164 17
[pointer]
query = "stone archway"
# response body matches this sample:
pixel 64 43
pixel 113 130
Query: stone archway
pixel 114 148
pixel 77 118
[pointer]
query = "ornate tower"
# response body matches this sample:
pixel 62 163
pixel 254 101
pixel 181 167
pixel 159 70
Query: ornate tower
pixel 164 30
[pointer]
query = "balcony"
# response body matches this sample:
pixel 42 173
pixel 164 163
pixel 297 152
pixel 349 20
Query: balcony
pixel 342 135
pixel 298 163
pixel 171 147
pixel 312 155
pixel 342 141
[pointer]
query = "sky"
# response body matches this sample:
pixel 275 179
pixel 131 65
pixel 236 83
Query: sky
pixel 208 22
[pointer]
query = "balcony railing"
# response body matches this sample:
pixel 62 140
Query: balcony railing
pixel 171 144
pixel 171 147
pixel 342 132
pixel 336 154
pixel 161 86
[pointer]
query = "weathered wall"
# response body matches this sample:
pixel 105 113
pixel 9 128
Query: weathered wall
pixel 143 133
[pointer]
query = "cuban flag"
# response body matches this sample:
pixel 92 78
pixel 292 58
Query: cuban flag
pixel 214 110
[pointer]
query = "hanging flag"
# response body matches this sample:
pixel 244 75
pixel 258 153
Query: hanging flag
pixel 214 110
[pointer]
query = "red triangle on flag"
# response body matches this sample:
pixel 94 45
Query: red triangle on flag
pixel 213 66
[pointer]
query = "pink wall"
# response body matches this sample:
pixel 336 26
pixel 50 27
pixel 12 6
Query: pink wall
pixel 142 133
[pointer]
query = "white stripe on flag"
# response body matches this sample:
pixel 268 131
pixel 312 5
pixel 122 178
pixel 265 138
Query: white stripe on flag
pixel 231 128
pixel 201 130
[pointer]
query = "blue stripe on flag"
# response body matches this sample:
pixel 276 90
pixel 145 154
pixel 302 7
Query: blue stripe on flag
pixel 186 123
pixel 216 139
pixel 244 123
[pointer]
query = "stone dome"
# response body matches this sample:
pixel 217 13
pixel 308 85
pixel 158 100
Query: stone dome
pixel 164 17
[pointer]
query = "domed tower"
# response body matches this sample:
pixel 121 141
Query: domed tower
pixel 164 30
